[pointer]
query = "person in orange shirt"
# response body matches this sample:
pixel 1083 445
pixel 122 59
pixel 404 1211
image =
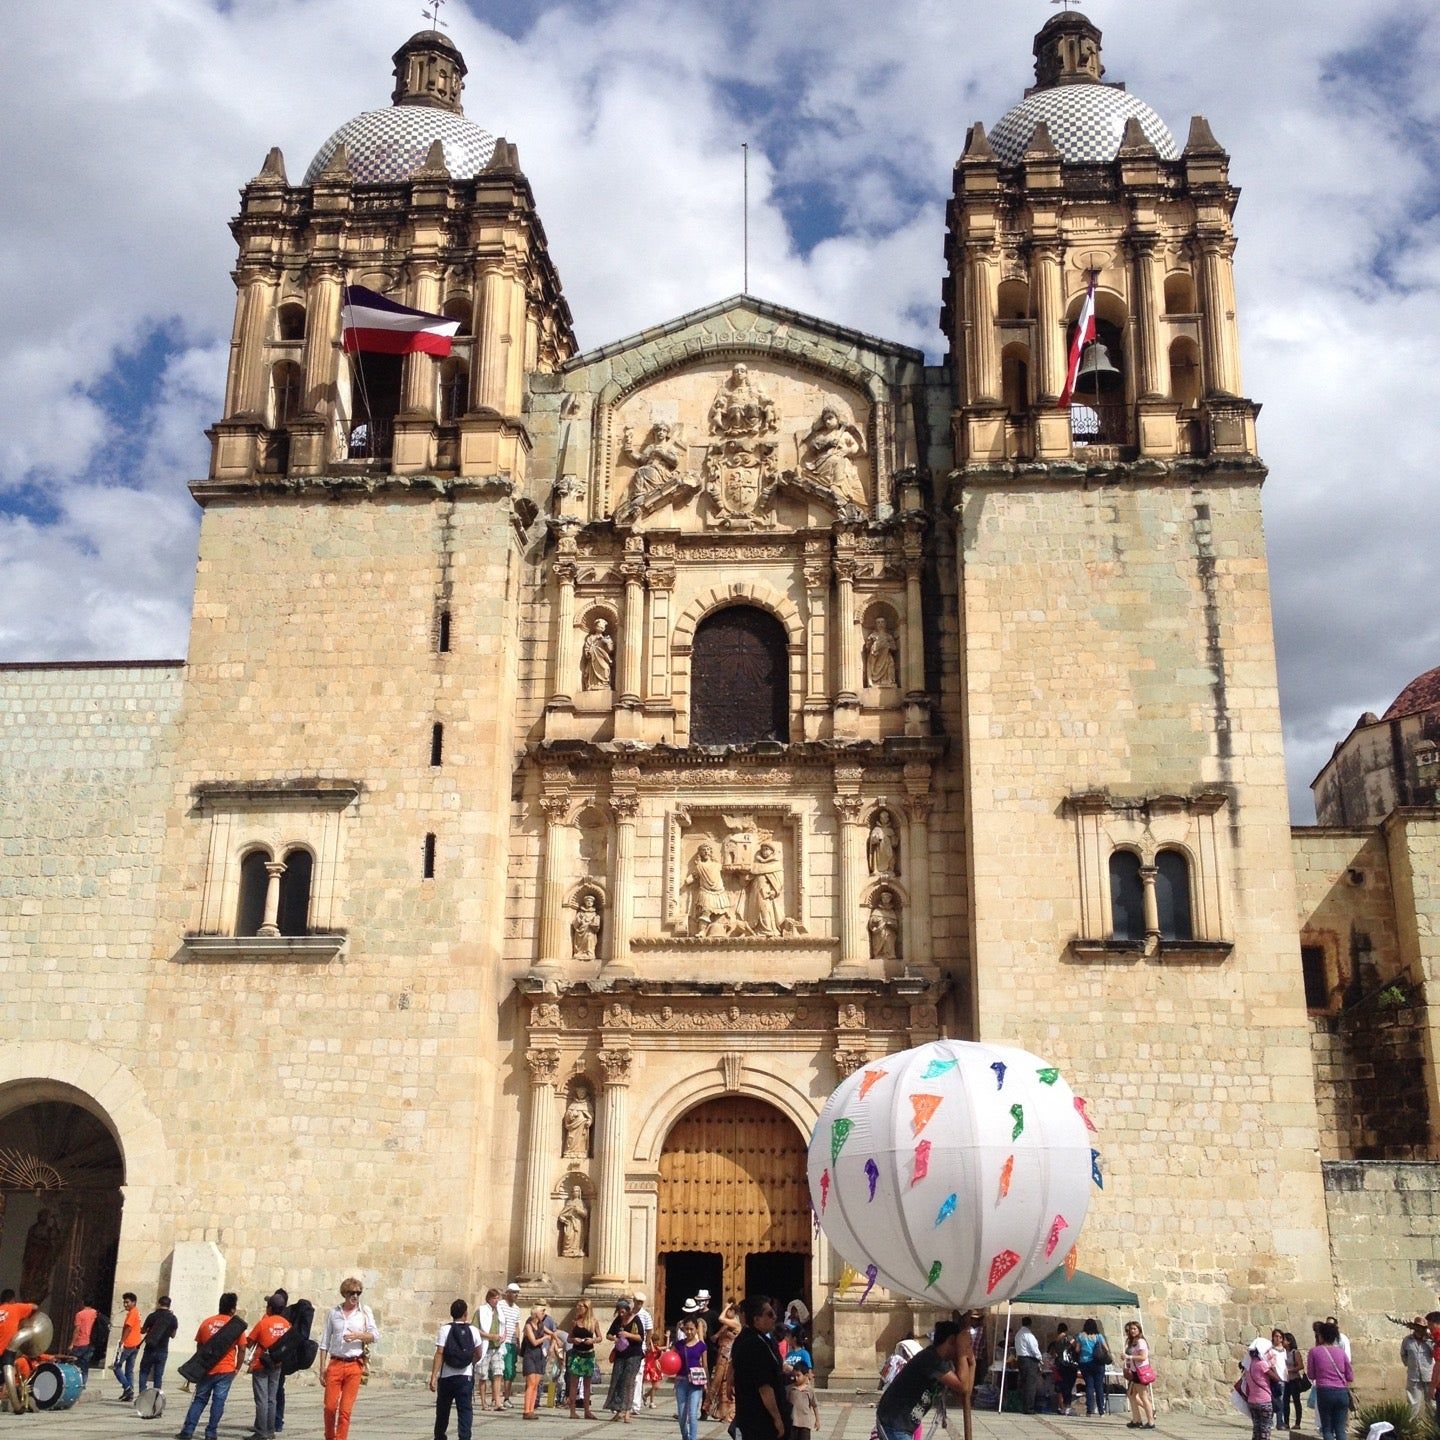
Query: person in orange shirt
pixel 84 1328
pixel 124 1366
pixel 264 1381
pixel 214 1389
pixel 13 1314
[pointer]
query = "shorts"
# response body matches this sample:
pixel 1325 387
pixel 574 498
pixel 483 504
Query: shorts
pixel 495 1362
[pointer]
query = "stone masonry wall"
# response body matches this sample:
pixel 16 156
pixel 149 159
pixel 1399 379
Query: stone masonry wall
pixel 1385 1248
pixel 1117 638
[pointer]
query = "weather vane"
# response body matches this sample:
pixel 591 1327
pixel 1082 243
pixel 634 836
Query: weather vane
pixel 1066 3
pixel 433 15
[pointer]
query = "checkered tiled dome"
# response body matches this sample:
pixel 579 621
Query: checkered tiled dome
pixel 390 145
pixel 1086 123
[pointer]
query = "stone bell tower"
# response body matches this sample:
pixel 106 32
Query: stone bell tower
pixel 1121 739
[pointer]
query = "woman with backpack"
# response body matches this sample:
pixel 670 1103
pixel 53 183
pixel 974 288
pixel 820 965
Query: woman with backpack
pixel 1093 1353
pixel 1061 1351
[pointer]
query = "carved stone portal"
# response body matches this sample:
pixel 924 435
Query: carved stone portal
pixel 736 879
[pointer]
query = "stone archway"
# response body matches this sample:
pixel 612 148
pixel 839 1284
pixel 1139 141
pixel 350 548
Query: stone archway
pixel 734 1211
pixel 61 1179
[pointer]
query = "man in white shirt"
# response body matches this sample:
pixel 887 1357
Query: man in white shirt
pixel 1344 1341
pixel 508 1311
pixel 1417 1355
pixel 349 1328
pixel 452 1375
pixel 1027 1358
pixel 490 1363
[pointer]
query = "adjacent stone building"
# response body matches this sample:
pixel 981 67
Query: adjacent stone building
pixel 583 760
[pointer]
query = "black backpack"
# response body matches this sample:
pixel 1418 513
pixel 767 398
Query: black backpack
pixel 300 1350
pixel 459 1348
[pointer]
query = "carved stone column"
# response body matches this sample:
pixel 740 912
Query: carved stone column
pixel 1049 322
pixel 1217 309
pixel 322 329
pixel 847 698
pixel 632 571
pixel 610 1150
pixel 624 806
pixel 854 944
pixel 817 644
pixel 982 274
pixel 254 307
pixel 918 805
pixel 555 804
pixel 659 586
pixel 269 926
pixel 1149 904
pixel 492 336
pixel 567 677
pixel 1151 378
pixel 544 1063
pixel 417 381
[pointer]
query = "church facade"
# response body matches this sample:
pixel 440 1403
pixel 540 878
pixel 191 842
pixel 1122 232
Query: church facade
pixel 584 760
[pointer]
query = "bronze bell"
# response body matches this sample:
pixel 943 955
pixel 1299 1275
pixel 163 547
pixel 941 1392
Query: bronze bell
pixel 1096 362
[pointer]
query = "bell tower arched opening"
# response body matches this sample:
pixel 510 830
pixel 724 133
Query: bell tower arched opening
pixel 734 1211
pixel 61 1173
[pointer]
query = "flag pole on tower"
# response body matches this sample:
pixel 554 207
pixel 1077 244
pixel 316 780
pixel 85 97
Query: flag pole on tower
pixel 1085 334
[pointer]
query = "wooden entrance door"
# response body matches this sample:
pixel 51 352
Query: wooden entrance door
pixel 732 1183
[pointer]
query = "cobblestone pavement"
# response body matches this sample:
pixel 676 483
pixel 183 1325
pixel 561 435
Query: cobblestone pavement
pixel 388 1413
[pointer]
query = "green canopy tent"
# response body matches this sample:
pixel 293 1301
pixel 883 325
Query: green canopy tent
pixel 1059 1291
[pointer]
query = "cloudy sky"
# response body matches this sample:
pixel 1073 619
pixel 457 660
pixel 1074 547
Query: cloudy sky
pixel 131 127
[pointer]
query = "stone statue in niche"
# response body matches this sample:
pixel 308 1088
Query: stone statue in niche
pixel 658 459
pixel 597 658
pixel 578 1120
pixel 884 927
pixel 740 408
pixel 574 1219
pixel 767 889
pixel 585 928
pixel 710 904
pixel 42 1249
pixel 827 457
pixel 880 652
pixel 882 845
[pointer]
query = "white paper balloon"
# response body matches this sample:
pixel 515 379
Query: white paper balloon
pixel 955 1173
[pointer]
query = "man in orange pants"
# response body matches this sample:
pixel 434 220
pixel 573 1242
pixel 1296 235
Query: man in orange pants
pixel 349 1328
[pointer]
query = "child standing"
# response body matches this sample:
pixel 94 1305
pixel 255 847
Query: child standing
pixel 653 1347
pixel 804 1412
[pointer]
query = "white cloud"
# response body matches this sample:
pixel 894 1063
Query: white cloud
pixel 133 127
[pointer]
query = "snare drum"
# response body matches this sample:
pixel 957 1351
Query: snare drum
pixel 56 1385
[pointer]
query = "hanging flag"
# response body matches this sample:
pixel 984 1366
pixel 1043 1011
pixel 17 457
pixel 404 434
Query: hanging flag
pixel 872 1174
pixel 1007 1172
pixel 1095 1174
pixel 934 1274
pixel 1072 1261
pixel 999 1068
pixel 839 1134
pixel 824 1188
pixel 374 324
pixel 1017 1114
pixel 1080 1110
pixel 1049 1075
pixel 947 1209
pixel 936 1068
pixel 848 1276
pixel 1058 1227
pixel 1085 334
pixel 870 1077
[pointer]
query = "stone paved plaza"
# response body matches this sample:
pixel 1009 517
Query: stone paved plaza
pixel 386 1413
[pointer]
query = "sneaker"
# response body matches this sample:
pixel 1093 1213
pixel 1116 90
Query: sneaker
pixel 182 1435
pixel 127 1397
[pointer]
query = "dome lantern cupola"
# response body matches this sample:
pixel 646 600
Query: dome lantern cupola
pixel 1067 52
pixel 429 70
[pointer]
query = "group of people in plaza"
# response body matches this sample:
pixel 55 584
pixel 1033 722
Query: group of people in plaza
pixel 745 1358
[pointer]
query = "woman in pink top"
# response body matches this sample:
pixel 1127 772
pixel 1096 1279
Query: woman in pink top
pixel 1328 1367
pixel 1253 1387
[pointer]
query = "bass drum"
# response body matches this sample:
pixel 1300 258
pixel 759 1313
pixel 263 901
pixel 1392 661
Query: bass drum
pixel 56 1385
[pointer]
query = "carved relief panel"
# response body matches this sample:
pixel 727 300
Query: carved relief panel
pixel 739 445
pixel 735 874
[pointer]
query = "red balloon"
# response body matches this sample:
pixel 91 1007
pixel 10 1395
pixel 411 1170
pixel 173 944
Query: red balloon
pixel 670 1363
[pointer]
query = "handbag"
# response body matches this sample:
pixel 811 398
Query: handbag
pixel 1145 1373
pixel 1305 1383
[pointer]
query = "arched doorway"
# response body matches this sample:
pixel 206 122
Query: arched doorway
pixel 734 1212
pixel 740 678
pixel 61 1174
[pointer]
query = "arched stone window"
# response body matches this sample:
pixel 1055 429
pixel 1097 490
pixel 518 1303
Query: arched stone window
pixel 739 678
pixel 1180 294
pixel 1127 896
pixel 1185 373
pixel 454 390
pixel 290 322
pixel 1015 378
pixel 294 916
pixel 254 880
pixel 1012 300
pixel 1172 896
pixel 458 307
pixel 284 393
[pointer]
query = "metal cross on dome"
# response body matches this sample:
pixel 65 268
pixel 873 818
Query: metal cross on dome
pixel 433 14
pixel 1066 3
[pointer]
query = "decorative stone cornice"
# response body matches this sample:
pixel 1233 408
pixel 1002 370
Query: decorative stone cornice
pixel 336 484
